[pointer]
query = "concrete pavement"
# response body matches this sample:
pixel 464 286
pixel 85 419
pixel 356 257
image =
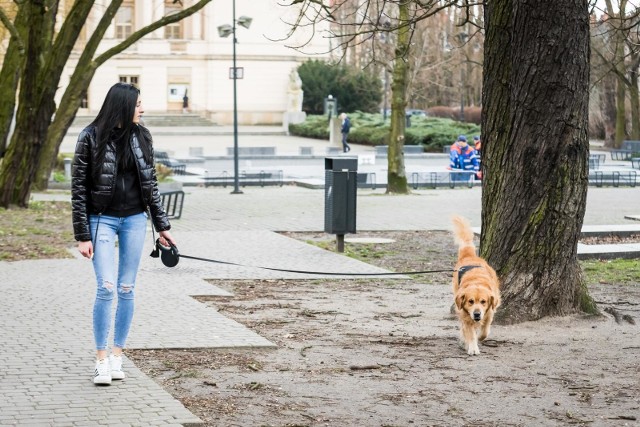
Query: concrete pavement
pixel 47 362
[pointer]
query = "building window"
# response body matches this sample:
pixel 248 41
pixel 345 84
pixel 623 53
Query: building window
pixel 174 30
pixel 124 21
pixel 130 79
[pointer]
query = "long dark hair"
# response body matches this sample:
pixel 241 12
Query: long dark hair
pixel 115 119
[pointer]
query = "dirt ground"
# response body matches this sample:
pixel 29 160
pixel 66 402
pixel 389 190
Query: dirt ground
pixel 385 352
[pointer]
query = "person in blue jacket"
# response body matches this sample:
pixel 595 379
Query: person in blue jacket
pixel 463 157
pixel 346 127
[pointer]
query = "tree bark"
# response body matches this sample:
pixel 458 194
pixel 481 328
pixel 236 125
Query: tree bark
pixel 12 65
pixel 33 114
pixel 608 99
pixel 396 175
pixel 535 154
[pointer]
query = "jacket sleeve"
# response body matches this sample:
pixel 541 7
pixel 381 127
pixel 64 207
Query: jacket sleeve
pixel 156 209
pixel 453 159
pixel 80 187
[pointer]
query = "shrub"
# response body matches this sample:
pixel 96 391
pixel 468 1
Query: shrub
pixel 368 129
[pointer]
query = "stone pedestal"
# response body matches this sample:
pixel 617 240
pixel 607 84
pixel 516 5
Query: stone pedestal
pixel 335 137
pixel 292 117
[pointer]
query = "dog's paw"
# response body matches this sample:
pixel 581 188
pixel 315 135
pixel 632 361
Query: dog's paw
pixel 473 350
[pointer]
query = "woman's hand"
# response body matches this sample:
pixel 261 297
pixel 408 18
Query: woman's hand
pixel 166 238
pixel 86 249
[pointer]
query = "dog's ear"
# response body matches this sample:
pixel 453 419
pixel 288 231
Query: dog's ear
pixel 492 302
pixel 460 300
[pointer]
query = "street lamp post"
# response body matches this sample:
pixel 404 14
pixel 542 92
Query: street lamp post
pixel 225 31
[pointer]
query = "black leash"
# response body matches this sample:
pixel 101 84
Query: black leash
pixel 170 257
pixel 323 273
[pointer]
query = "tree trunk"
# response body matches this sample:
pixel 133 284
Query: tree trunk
pixel 635 104
pixel 12 65
pixel 535 154
pixel 396 175
pixel 621 113
pixel 33 116
pixel 608 99
pixel 634 95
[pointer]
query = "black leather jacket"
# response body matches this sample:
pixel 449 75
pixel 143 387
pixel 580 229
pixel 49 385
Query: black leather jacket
pixel 93 196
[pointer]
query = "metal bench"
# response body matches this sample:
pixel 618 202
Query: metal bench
pixel 261 178
pixel 253 151
pixel 614 178
pixel 366 180
pixel 434 179
pixel 595 160
pixel 621 154
pixel 631 145
pixel 173 202
pixel 176 167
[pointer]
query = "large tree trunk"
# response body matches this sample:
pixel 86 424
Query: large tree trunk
pixel 32 118
pixel 396 175
pixel 535 153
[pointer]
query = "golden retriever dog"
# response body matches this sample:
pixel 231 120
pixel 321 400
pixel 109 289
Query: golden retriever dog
pixel 476 289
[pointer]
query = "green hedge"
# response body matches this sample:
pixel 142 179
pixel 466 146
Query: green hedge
pixel 368 129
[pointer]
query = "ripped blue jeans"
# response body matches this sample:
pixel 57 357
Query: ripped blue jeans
pixel 115 278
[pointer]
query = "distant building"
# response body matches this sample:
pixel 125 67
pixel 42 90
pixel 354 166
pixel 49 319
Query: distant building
pixel 189 56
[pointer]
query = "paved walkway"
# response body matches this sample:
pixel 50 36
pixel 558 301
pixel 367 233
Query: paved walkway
pixel 47 358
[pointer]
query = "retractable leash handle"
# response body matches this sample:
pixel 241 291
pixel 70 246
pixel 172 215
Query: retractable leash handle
pixel 169 255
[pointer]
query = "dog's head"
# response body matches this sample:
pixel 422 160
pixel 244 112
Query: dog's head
pixel 475 300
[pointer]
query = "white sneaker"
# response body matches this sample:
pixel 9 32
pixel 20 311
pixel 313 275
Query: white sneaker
pixel 102 375
pixel 116 367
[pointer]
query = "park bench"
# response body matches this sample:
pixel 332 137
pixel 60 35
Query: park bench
pixel 176 167
pixel 261 178
pixel 253 151
pixel 635 162
pixel 614 178
pixel 173 202
pixel 596 160
pixel 633 146
pixel 621 154
pixel 451 178
pixel 366 180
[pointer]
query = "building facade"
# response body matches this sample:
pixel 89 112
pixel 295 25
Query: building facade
pixel 189 57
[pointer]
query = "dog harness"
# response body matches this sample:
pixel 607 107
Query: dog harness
pixel 464 269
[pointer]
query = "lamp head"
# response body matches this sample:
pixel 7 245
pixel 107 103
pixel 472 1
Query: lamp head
pixel 225 30
pixel 245 21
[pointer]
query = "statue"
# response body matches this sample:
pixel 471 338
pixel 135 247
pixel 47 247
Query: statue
pixel 294 92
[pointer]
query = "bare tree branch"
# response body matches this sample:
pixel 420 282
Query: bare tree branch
pixel 12 30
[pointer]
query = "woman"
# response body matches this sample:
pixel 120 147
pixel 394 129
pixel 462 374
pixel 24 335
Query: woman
pixel 114 190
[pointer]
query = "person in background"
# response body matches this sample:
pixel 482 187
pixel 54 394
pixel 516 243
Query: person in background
pixel 346 127
pixel 113 191
pixel 478 146
pixel 463 158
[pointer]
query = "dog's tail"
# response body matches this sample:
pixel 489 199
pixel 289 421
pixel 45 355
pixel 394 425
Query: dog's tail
pixel 463 236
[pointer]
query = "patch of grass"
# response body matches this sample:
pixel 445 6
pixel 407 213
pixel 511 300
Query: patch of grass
pixel 44 230
pixel 618 271
pixel 361 251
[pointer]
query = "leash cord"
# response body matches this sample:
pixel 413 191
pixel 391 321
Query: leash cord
pixel 322 273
